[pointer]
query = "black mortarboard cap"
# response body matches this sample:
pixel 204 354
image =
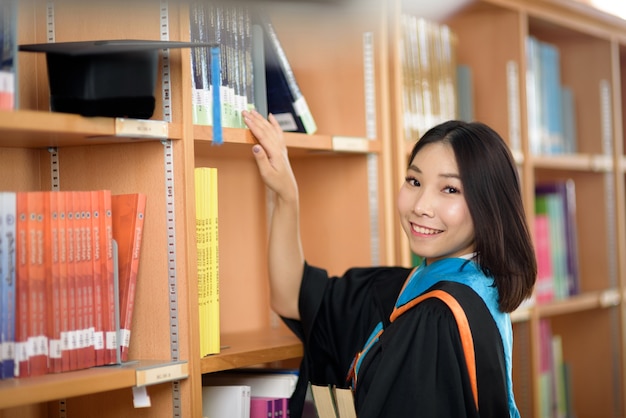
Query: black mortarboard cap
pixel 114 78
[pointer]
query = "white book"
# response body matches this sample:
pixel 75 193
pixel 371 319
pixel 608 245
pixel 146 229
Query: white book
pixel 270 385
pixel 228 401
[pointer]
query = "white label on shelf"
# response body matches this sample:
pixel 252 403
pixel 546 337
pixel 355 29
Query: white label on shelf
pixel 141 128
pixel 162 373
pixel 350 144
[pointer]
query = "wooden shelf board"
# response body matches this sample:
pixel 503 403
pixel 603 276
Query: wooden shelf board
pixel 578 162
pixel 38 129
pixel 580 303
pixel 238 140
pixel 252 348
pixel 50 387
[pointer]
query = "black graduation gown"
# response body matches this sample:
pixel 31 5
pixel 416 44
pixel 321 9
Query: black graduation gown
pixel 417 368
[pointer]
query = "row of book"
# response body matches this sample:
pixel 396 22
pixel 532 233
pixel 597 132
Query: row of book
pixel 254 72
pixel 554 376
pixel 68 262
pixel 556 242
pixel 248 393
pixel 207 235
pixel 551 106
pixel 428 59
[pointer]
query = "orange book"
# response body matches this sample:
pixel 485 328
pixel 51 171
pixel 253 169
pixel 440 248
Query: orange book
pixel 128 220
pixel 108 285
pixel 37 326
pixel 96 263
pixel 22 287
pixel 85 275
pixel 72 299
pixel 53 281
pixel 64 320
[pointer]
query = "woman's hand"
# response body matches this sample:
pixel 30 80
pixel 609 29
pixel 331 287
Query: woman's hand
pixel 271 155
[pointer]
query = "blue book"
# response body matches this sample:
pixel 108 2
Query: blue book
pixel 7 287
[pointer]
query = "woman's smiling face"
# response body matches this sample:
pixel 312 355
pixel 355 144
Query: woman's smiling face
pixel 432 207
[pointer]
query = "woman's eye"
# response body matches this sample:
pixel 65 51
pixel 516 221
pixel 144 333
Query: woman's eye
pixel 451 190
pixel 412 181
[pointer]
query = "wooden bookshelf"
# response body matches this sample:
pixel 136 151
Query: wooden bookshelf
pixel 334 171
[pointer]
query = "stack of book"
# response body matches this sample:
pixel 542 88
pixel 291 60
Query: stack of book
pixel 248 393
pixel 254 71
pixel 59 309
pixel 429 75
pixel 556 242
pixel 551 110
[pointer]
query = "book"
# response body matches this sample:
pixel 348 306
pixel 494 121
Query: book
pixel 262 382
pixel 109 293
pixel 64 292
pixel 97 278
pixel 544 286
pixel 227 401
pixel 284 97
pixel 333 402
pixel 7 287
pixel 565 192
pixel 53 281
pixel 262 407
pixel 128 211
pixel 22 287
pixel 37 296
pixel 71 344
pixel 207 218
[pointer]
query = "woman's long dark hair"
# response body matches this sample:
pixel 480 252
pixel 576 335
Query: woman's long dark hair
pixel 503 244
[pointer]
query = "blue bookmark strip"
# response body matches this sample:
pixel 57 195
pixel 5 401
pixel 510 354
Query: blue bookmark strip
pixel 216 83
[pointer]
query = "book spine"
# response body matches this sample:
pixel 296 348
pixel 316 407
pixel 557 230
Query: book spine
pixel 97 279
pixel 299 103
pixel 109 294
pixel 53 281
pixel 37 327
pixel 21 330
pixel 64 320
pixel 7 252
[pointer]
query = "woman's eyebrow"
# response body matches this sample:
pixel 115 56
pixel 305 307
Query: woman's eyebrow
pixel 415 168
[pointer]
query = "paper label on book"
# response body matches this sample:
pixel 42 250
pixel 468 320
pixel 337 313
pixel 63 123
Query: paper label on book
pixel 125 337
pixel 286 121
pixel 8 350
pixel 141 128
pixel 111 340
pixel 98 340
pixel 55 349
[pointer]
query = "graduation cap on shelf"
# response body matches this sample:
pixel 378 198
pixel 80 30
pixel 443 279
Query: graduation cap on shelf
pixel 114 78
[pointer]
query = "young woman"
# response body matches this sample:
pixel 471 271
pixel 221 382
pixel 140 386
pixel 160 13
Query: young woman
pixel 404 355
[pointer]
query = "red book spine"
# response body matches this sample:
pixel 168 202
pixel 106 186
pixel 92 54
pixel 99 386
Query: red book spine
pixel 37 332
pixel 62 214
pixel 96 263
pixel 128 221
pixel 53 281
pixel 72 298
pixel 86 274
pixel 108 295
pixel 22 286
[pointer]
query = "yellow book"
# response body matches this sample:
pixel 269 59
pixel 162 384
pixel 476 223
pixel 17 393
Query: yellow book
pixel 214 282
pixel 202 182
